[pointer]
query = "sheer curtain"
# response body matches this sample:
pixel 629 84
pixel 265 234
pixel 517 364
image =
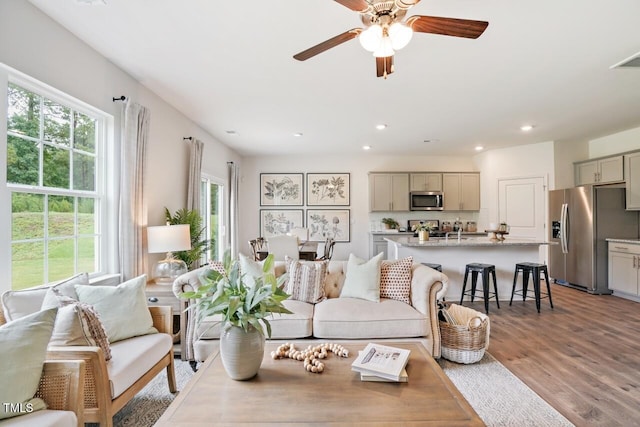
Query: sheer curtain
pixel 133 203
pixel 195 175
pixel 233 208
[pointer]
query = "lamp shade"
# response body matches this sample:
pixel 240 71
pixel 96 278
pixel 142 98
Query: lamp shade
pixel 400 35
pixel 169 238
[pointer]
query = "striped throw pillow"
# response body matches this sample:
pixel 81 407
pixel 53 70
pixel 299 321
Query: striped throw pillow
pixel 306 280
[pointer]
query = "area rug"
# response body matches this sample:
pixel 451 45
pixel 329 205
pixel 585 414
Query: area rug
pixel 497 395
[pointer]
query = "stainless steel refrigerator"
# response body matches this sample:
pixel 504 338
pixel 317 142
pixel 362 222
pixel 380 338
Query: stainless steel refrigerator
pixel 581 219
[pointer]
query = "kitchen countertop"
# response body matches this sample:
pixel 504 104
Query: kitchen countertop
pixel 465 242
pixel 632 241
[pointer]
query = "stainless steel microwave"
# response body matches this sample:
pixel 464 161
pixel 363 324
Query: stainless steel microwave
pixel 426 201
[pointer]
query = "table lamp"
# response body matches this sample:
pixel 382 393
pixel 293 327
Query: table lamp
pixel 169 239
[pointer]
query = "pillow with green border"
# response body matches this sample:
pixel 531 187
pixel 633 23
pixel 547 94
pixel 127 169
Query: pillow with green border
pixel 23 349
pixel 122 309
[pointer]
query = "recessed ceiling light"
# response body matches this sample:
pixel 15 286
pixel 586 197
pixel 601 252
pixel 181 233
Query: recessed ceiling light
pixel 526 128
pixel 231 132
pixel 366 147
pixel 381 126
pixel 297 134
pixel 429 141
pixel 91 2
pixel 479 148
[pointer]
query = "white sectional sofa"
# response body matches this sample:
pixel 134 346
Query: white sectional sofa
pixel 334 318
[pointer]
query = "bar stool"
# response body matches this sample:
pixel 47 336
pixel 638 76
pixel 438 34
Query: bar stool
pixel 534 269
pixel 484 269
pixel 434 266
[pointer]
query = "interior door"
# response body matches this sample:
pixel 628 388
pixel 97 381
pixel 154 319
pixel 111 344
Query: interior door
pixel 522 206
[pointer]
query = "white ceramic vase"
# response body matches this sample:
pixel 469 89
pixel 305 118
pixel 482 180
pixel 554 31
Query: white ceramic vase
pixel 242 352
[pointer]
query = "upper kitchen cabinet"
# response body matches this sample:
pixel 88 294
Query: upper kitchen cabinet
pixel 461 191
pixel 425 182
pixel 388 192
pixel 600 171
pixel 632 178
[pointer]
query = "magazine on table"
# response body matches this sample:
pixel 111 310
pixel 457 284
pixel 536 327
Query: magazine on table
pixel 404 378
pixel 382 361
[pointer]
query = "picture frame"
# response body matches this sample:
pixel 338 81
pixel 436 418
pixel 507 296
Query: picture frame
pixel 281 189
pixel 275 222
pixel 328 189
pixel 324 223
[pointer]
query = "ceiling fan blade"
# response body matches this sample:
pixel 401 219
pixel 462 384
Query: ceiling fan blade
pixel 384 66
pixel 355 5
pixel 328 44
pixel 447 26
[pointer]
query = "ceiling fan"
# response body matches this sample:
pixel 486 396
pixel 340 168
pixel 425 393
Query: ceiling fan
pixel 386 30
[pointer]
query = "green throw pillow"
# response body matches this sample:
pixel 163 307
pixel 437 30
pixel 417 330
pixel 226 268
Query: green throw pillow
pixel 23 349
pixel 122 309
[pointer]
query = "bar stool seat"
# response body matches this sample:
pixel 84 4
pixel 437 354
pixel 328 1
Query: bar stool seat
pixel 534 269
pixel 486 270
pixel 434 266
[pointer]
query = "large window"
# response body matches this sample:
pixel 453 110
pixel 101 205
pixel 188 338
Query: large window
pixel 213 212
pixel 54 174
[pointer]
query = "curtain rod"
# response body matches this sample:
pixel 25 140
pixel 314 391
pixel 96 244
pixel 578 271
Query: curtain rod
pixel 190 138
pixel 120 98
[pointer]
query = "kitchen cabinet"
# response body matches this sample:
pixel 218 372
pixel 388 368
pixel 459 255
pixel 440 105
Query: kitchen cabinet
pixel 624 268
pixel 461 191
pixel 377 243
pixel 632 179
pixel 425 182
pixel 388 192
pixel 600 171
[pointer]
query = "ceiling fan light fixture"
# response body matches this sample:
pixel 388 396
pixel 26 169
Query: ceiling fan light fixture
pixel 385 49
pixel 400 35
pixel 371 37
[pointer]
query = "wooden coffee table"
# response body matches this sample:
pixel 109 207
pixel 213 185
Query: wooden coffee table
pixel 284 393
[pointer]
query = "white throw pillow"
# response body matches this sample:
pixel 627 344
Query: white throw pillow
pixel 66 288
pixel 122 309
pixel 251 270
pixel 363 278
pixel 23 348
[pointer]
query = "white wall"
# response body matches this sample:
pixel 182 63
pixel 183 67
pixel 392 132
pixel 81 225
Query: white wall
pixel 36 45
pixel 565 154
pixel 616 143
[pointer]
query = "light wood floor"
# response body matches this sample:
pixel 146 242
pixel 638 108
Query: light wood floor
pixel 582 356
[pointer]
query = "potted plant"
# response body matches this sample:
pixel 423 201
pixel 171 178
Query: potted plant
pixel 390 223
pixel 199 245
pixel 243 304
pixel 422 230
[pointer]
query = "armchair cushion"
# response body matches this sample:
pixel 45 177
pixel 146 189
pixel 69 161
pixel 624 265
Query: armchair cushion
pixel 123 309
pixel 65 288
pixel 23 348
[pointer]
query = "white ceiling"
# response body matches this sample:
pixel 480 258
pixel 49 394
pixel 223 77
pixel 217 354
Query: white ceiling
pixel 228 65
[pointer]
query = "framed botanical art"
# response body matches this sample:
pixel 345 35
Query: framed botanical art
pixel 334 223
pixel 274 222
pixel 328 189
pixel 281 189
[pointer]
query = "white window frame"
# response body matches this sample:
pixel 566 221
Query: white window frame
pixel 222 215
pixel 106 170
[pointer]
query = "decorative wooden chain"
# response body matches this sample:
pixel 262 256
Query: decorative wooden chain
pixel 311 355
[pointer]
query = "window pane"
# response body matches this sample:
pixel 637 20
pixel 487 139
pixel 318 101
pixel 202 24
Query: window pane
pixel 27 265
pixel 87 254
pixel 57 123
pixel 27 220
pixel 214 211
pixel 22 161
pixel 84 171
pixel 61 216
pixel 61 259
pixel 56 167
pixel 23 115
pixel 86 216
pixel 84 133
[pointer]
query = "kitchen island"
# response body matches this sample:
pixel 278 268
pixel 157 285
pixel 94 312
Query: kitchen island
pixel 454 254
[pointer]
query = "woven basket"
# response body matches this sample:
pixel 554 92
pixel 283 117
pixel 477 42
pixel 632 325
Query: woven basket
pixel 466 342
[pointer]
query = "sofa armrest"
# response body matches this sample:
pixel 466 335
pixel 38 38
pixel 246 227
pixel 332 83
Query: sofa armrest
pixel 162 318
pixel 427 287
pixel 62 386
pixel 186 283
pixel 97 390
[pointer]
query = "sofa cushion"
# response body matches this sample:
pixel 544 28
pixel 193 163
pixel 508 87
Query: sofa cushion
pixel 306 280
pixel 395 279
pixel 65 288
pixel 251 269
pixel 299 324
pixel 133 357
pixel 362 278
pixel 123 309
pixel 17 304
pixel 23 348
pixel 354 318
pixel 44 418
